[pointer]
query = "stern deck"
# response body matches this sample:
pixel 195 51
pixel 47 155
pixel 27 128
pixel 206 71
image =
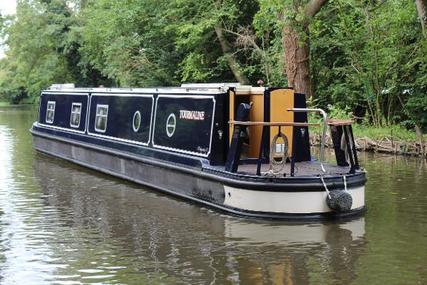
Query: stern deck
pixel 302 169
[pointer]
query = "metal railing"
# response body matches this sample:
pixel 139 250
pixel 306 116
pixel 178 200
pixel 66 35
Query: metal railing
pixel 345 124
pixel 272 124
pixel 325 126
pixel 278 124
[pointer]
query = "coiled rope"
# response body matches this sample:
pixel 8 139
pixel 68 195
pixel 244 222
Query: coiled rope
pixel 276 166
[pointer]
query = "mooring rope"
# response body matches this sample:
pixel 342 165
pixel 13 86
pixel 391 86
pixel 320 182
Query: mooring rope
pixel 326 187
pixel 345 183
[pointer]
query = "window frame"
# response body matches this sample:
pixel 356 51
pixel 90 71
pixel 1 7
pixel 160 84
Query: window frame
pixel 137 113
pixel 50 103
pixel 98 107
pixel 79 114
pixel 170 125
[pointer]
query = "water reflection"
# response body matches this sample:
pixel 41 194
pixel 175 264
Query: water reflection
pixel 63 224
pixel 115 229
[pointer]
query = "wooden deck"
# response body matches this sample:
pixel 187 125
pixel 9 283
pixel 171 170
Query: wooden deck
pixel 306 168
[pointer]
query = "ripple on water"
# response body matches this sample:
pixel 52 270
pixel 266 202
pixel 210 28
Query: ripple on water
pixel 62 224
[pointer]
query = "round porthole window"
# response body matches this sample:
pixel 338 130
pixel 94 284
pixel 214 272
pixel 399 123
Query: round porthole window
pixel 171 125
pixel 136 121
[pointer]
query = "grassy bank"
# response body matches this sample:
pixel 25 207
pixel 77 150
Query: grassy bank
pixel 390 139
pixel 396 133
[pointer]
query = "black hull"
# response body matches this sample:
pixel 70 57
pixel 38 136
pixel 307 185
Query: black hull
pixel 188 181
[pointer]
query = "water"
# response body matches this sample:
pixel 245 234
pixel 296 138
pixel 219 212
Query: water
pixel 63 224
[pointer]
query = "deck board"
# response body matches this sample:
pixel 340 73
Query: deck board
pixel 305 168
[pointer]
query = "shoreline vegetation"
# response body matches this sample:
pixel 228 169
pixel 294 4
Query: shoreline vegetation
pixel 24 102
pixel 393 140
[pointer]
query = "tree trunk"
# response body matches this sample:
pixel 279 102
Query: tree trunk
pixel 231 61
pixel 297 57
pixel 297 49
pixel 422 14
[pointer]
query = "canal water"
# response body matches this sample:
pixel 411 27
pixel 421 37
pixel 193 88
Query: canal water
pixel 64 224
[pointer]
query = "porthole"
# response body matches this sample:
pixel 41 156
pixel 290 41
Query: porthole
pixel 171 125
pixel 136 121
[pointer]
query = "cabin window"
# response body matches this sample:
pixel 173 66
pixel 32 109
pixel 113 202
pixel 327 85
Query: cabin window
pixel 50 112
pixel 171 125
pixel 101 118
pixel 76 110
pixel 136 121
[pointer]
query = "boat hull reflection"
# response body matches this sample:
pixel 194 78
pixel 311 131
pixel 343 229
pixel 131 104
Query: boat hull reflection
pixel 149 233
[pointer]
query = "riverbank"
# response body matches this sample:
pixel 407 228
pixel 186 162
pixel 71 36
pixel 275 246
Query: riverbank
pixel 24 102
pixel 391 139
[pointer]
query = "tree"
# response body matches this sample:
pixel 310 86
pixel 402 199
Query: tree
pixel 422 14
pixel 147 42
pixel 365 55
pixel 296 43
pixel 207 34
pixel 128 41
pixel 43 41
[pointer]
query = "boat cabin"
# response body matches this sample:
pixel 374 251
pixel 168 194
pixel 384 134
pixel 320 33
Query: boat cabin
pixel 199 124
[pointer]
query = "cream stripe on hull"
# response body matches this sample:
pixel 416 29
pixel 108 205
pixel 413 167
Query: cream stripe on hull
pixel 286 202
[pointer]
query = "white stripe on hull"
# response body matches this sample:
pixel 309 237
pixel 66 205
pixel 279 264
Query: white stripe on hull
pixel 286 202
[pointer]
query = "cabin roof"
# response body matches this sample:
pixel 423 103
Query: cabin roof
pixel 191 88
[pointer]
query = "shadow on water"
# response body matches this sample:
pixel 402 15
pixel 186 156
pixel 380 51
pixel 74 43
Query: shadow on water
pixel 63 224
pixel 149 233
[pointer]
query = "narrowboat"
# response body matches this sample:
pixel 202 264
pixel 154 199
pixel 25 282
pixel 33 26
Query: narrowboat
pixel 239 149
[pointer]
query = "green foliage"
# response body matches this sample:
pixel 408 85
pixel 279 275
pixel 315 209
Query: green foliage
pixel 127 41
pixel 268 24
pixel 392 132
pixel 371 58
pixel 368 58
pixel 148 42
pixel 43 43
pixel 416 107
pixel 204 60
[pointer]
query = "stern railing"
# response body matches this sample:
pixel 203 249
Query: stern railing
pixel 240 125
pixel 237 135
pixel 325 126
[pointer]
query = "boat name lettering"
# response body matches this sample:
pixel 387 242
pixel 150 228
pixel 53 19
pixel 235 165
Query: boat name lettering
pixel 192 115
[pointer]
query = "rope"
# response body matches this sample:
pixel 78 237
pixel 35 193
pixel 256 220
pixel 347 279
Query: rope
pixel 277 166
pixel 345 183
pixel 326 187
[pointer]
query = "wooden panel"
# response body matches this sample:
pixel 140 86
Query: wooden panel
pixel 256 114
pixel 280 101
pixel 255 132
pixel 231 117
